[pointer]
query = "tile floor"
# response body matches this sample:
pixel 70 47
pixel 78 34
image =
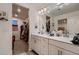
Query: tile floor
pixel 20 48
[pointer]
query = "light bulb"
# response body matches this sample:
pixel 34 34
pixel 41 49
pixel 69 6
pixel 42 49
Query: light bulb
pixel 19 10
pixel 45 9
pixel 41 10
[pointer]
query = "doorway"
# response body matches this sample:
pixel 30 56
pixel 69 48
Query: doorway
pixel 20 29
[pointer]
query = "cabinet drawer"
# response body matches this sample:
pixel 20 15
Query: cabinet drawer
pixel 64 52
pixel 70 47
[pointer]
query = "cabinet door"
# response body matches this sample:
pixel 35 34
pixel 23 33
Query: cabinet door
pixel 53 50
pixel 64 52
pixel 44 46
pixel 34 43
pixel 37 45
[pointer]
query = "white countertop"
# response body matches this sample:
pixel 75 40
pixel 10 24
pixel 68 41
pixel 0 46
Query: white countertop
pixel 62 39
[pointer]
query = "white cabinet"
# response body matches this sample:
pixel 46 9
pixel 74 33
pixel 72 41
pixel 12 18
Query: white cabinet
pixel 53 50
pixel 46 46
pixel 56 49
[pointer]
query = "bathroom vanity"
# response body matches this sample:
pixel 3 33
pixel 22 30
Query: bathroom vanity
pixel 49 45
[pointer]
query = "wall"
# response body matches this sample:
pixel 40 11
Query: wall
pixel 6 31
pixel 42 23
pixel 33 17
pixel 33 20
pixel 72 21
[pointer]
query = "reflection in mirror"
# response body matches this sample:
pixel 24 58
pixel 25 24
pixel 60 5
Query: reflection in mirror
pixel 62 25
pixel 47 23
pixel 63 16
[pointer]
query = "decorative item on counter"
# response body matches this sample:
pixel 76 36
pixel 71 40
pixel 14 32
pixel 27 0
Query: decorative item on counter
pixel 59 33
pixel 53 33
pixel 76 39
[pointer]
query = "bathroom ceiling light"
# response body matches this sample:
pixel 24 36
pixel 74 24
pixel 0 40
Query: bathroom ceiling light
pixel 19 10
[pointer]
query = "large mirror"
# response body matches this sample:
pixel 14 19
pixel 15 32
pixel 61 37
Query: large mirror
pixel 62 16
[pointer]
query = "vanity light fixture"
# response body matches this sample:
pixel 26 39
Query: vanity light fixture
pixel 41 12
pixel 45 9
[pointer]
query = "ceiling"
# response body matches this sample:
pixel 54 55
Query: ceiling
pixel 65 9
pixel 39 6
pixel 36 6
pixel 53 12
pixel 19 12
